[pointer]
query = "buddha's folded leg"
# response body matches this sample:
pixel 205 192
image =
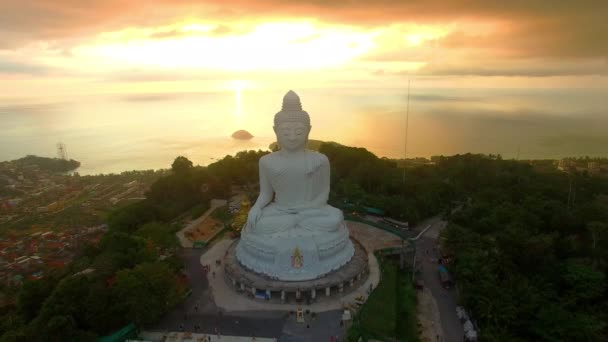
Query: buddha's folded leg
pixel 274 221
pixel 326 218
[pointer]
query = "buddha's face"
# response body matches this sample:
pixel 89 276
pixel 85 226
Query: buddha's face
pixel 292 136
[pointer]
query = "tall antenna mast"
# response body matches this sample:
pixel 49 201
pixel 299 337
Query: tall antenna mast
pixel 407 117
pixel 62 153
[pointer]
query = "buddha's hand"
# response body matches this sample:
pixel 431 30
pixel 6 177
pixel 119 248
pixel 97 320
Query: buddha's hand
pixel 253 217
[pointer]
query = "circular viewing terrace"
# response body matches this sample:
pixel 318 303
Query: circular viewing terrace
pixel 337 282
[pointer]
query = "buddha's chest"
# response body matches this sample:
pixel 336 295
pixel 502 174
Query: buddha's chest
pixel 291 183
pixel 289 171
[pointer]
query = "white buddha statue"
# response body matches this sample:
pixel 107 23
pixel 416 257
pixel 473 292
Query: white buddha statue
pixel 291 231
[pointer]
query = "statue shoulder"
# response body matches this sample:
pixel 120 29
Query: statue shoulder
pixel 268 159
pixel 320 157
pixel 264 158
pixel 316 161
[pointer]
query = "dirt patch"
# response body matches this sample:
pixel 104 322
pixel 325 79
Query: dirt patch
pixel 205 230
pixel 429 321
pixel 372 238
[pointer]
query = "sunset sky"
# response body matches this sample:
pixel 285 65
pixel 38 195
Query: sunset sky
pixel 107 46
pixel 53 50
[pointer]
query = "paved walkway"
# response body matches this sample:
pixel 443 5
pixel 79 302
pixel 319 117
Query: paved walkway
pixel 242 316
pixel 439 304
pixel 181 235
pixel 428 316
pixel 181 336
pixel 200 309
pixel 227 299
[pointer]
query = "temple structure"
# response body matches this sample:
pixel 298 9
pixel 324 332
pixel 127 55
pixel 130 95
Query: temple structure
pixel 292 234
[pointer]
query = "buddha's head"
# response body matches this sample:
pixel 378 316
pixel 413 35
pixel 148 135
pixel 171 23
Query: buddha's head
pixel 292 124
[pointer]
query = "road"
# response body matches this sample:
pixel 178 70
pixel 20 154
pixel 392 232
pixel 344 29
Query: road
pixel 200 309
pixel 445 299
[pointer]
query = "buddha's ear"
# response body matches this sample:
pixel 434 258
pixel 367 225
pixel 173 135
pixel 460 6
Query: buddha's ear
pixel 307 136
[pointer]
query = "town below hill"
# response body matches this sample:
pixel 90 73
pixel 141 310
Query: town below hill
pixel 47 216
pixel 37 194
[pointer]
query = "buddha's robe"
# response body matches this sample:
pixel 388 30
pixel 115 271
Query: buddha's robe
pixel 300 183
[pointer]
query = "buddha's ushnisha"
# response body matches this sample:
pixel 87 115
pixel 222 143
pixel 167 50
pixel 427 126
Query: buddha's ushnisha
pixel 292 208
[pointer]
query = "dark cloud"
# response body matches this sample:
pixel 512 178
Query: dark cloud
pixel 151 97
pixel 169 96
pixel 221 30
pixel 441 98
pixel 136 76
pixel 517 68
pixel 401 54
pixel 147 76
pixel 577 35
pixel 30 109
pixel 218 31
pixel 167 34
pixel 17 68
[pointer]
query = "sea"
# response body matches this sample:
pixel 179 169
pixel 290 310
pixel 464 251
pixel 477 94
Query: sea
pixel 111 133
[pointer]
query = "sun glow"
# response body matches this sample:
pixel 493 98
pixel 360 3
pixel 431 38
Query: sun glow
pixel 238 86
pixel 414 39
pixel 275 46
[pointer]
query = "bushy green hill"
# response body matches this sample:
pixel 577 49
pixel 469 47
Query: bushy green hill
pixel 48 164
pixel 311 145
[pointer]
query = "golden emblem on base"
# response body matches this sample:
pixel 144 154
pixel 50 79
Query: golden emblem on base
pixel 296 259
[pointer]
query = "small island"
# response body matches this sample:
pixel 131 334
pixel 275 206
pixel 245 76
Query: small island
pixel 242 135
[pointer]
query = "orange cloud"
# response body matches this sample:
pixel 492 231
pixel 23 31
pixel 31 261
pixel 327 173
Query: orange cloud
pixel 429 38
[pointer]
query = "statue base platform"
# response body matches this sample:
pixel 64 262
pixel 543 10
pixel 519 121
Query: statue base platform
pixel 295 254
pixel 338 281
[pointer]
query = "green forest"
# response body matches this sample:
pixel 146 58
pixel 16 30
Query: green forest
pixel 531 253
pixel 530 244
